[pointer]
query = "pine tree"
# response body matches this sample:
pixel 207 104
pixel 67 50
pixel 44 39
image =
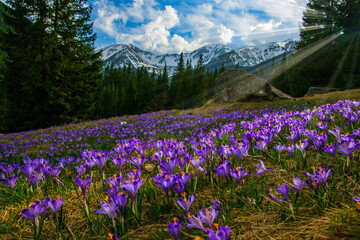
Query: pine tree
pixel 53 63
pixel 176 83
pixel 319 21
pixel 4 28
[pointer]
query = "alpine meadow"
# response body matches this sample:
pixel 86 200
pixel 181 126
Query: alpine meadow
pixel 157 119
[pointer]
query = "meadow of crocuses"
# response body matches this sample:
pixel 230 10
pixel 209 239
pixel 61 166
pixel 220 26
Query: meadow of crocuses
pixel 289 171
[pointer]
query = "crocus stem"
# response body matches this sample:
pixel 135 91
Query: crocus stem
pixel 211 180
pixel 122 224
pixel 196 179
pixel 114 225
pixel 35 231
pixel 292 210
pixel 86 209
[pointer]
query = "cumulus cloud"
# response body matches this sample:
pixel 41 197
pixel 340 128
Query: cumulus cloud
pixel 208 32
pixel 265 27
pixel 154 35
pixel 186 26
pixel 107 16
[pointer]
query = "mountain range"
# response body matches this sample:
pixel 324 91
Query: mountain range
pixel 214 55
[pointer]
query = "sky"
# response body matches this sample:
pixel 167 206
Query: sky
pixel 174 26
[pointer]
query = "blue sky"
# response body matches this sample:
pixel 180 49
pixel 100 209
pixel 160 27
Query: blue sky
pixel 174 26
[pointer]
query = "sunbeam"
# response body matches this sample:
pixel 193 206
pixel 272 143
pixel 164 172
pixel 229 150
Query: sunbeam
pixel 340 65
pixel 303 54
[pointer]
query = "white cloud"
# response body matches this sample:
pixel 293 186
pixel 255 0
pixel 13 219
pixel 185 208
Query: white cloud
pixel 206 31
pixel 107 15
pixel 154 35
pixel 265 27
pixel 186 27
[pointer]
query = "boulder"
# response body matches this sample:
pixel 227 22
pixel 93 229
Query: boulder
pixel 236 85
pixel 320 90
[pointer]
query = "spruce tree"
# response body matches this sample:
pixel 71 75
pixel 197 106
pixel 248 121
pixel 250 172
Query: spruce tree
pixel 53 63
pixel 319 21
pixel 4 28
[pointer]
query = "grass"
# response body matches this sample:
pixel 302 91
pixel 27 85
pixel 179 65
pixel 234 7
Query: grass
pixel 329 215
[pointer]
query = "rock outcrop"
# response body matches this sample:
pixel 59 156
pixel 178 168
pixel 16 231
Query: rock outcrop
pixel 320 90
pixel 236 85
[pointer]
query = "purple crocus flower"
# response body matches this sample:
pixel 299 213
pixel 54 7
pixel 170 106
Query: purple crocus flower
pixel 120 200
pixel 186 177
pixel 272 196
pixel 290 149
pixel 330 149
pixel 8 168
pixel 55 171
pixel 168 167
pixel 279 148
pixel 238 174
pixel 100 160
pixel 179 186
pixel 112 190
pixel 195 222
pixel 347 147
pixel 298 184
pixel 261 145
pixel 322 174
pixel 174 228
pixel 83 184
pixel 284 190
pixel 115 180
pixel 357 199
pixel 165 182
pixel 262 169
pixel 55 205
pixel 241 150
pixel 182 162
pixel 113 237
pixel 119 161
pixel 109 208
pixel 157 156
pixel 336 132
pixel 223 169
pixel 216 205
pixel 132 188
pixel 294 135
pixel 10 181
pixel 134 174
pixel 80 170
pixel 197 161
pixel 185 204
pixel 303 146
pixel 28 170
pixel 223 233
pixel 224 151
pixel 45 169
pixel 208 215
pixel 34 211
pixel 138 161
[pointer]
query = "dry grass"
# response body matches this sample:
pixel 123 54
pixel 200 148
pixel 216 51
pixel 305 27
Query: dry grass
pixel 212 105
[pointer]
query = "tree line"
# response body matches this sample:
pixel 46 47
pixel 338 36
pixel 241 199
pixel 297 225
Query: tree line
pixel 125 90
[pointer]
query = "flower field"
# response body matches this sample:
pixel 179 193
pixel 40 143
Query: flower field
pixel 277 171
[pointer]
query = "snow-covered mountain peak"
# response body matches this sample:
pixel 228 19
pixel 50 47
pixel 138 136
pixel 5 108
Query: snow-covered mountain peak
pixel 122 54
